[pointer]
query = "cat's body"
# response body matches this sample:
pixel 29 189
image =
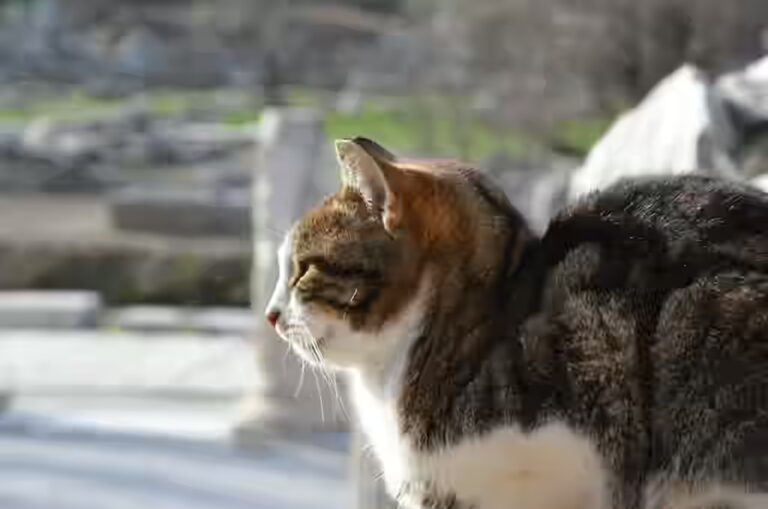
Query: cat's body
pixel 626 350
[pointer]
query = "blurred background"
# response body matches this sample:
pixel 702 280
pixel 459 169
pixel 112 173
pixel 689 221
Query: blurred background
pixel 152 152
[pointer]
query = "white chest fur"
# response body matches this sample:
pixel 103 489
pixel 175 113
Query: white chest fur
pixel 552 467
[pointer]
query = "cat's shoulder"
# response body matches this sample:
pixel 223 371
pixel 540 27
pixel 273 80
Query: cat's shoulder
pixel 671 206
pixel 657 232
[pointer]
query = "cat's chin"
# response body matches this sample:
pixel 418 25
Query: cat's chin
pixel 310 349
pixel 309 354
pixel 319 357
pixel 337 353
pixel 320 351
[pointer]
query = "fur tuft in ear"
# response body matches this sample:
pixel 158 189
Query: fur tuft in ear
pixel 364 168
pixel 362 172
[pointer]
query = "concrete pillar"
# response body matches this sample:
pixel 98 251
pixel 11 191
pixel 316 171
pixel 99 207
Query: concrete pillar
pixel 294 169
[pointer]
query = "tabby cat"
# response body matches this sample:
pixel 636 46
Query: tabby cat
pixel 619 361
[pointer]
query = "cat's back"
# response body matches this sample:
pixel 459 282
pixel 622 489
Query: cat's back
pixel 660 287
pixel 681 224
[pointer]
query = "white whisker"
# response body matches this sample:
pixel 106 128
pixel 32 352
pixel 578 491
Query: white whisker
pixel 301 379
pixel 319 396
pixel 328 377
pixel 285 356
pixel 332 383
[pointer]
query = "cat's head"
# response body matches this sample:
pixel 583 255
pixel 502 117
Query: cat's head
pixel 359 273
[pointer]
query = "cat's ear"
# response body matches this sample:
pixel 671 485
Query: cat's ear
pixel 366 167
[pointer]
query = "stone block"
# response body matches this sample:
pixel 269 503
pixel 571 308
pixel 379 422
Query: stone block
pixel 49 309
pixel 294 169
pixel 146 318
pixel 218 320
pixel 183 212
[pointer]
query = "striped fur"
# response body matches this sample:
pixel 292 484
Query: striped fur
pixel 492 369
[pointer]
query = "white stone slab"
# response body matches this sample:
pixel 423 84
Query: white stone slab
pixel 748 89
pixel 54 309
pixel 168 318
pixel 146 318
pixel 5 400
pixel 225 320
pixel 661 136
pixel 761 182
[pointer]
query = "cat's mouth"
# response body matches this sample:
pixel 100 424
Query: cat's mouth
pixel 300 338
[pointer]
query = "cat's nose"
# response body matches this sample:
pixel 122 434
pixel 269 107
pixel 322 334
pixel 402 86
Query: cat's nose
pixel 273 315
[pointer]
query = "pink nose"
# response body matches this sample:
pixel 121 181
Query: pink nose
pixel 273 316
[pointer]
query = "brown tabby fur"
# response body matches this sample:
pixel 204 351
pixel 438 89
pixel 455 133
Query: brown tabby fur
pixel 640 318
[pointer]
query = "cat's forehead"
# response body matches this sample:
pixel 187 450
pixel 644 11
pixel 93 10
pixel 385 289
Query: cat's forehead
pixel 342 217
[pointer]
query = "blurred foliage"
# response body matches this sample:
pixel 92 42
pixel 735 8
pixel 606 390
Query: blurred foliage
pixel 241 118
pixel 577 136
pixel 72 106
pixel 410 130
pixel 78 105
pixel 432 125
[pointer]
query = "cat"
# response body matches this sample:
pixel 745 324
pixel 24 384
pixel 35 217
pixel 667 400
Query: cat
pixel 619 361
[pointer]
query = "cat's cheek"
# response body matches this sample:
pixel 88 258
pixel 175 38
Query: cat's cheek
pixel 339 345
pixel 334 340
pixel 318 323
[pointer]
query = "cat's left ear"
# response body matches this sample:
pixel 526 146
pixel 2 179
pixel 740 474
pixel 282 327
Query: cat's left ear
pixel 367 167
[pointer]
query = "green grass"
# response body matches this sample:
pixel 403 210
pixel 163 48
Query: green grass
pixel 416 125
pixel 175 102
pixel 383 127
pixel 578 136
pixel 73 106
pixel 302 96
pixel 419 131
pixel 241 118
pixel 172 102
pixel 77 105
pixel 15 115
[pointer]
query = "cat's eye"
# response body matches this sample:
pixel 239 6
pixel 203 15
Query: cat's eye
pixel 300 268
pixel 346 270
pixel 333 269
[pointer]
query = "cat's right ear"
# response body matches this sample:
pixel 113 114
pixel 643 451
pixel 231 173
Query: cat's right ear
pixel 364 167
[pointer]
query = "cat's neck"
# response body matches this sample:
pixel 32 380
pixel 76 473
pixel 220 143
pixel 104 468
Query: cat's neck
pixel 469 325
pixel 441 341
pixel 380 372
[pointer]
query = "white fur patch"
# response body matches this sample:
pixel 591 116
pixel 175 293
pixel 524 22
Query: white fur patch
pixel 375 395
pixel 279 298
pixel 552 467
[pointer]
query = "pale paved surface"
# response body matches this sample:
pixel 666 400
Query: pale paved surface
pixel 102 361
pixel 49 461
pixel 128 421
